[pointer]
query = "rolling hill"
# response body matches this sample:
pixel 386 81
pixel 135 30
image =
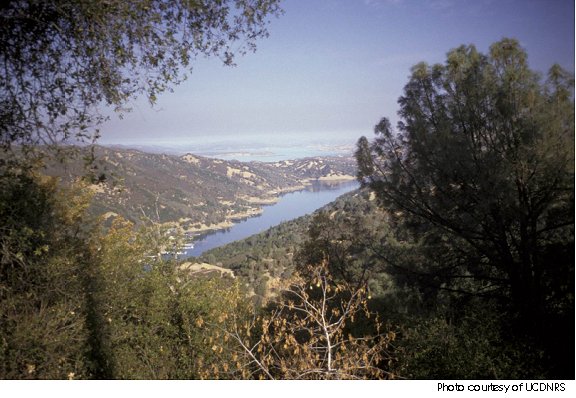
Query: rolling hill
pixel 198 192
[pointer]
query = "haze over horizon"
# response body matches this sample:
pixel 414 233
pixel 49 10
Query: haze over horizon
pixel 330 70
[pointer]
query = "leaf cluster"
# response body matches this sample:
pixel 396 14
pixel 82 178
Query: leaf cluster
pixel 61 60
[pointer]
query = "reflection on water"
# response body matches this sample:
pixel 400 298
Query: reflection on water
pixel 290 206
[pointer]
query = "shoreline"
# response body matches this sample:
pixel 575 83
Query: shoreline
pixel 234 219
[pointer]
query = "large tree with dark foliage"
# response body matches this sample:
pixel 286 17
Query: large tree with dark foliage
pixel 62 59
pixel 481 174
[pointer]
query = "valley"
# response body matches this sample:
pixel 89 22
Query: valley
pixel 199 194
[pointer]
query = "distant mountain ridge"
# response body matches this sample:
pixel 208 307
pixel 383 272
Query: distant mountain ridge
pixel 198 192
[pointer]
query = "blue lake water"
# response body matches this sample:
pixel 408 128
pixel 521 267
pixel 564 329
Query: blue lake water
pixel 290 206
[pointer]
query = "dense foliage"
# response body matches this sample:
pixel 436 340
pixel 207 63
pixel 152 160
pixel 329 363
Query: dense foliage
pixel 76 303
pixel 44 255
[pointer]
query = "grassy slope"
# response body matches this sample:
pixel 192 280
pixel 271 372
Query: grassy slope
pixel 193 189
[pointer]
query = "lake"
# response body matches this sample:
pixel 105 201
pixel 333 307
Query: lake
pixel 290 206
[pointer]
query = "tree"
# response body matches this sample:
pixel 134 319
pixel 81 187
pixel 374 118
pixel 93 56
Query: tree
pixel 318 329
pixel 481 176
pixel 154 317
pixel 45 327
pixel 62 59
pixel 345 237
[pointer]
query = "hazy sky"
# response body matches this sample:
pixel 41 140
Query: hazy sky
pixel 333 68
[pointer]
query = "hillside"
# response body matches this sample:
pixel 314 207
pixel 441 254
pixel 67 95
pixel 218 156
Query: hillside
pixel 200 193
pixel 266 260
